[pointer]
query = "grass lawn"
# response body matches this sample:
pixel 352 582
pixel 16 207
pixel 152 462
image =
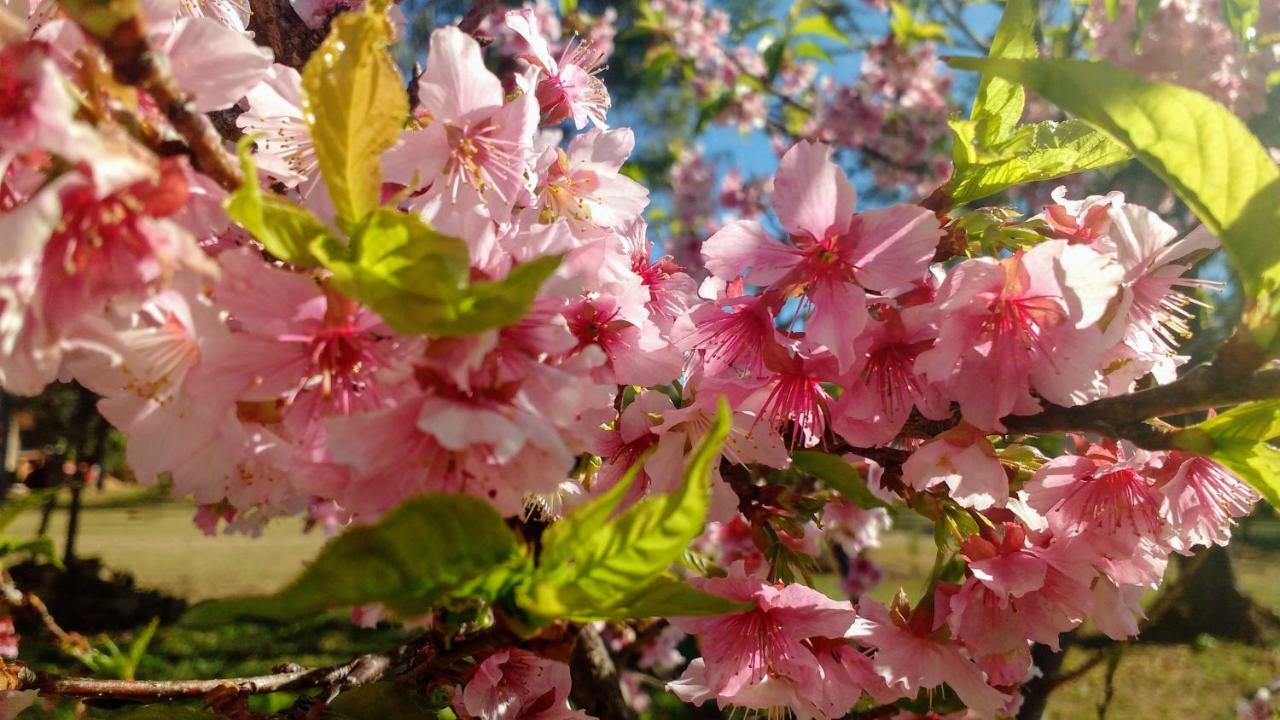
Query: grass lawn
pixel 156 542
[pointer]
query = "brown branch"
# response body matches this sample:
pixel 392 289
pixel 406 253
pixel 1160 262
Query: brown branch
pixel 596 686
pixel 470 23
pixel 357 671
pixel 1126 416
pixel 135 62
pixel 277 26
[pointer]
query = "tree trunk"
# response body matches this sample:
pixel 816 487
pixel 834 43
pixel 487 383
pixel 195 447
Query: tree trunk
pixel 1035 692
pixel 1210 602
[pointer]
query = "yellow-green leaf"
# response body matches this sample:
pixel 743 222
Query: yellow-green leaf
pixel 595 565
pixel 1043 151
pixel 355 105
pixel 1203 151
pixel 285 229
pixel 426 549
pixel 997 106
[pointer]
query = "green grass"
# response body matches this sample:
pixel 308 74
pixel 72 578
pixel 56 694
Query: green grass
pixel 156 542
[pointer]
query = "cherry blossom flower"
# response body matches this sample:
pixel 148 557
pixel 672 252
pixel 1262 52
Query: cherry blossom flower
pixel 1014 325
pixel 568 87
pixel 910 655
pixel 515 684
pixel 963 460
pixel 837 254
pixel 764 657
pixel 475 145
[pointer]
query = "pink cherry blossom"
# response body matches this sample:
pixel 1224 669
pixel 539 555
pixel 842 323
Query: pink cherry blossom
pixel 764 657
pixel 568 87
pixel 515 684
pixel 836 254
pixel 1010 328
pixel 962 459
pixel 475 145
pixel 909 656
pixel 1201 500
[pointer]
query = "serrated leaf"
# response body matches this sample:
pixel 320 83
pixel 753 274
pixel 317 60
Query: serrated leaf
pixel 819 25
pixel 997 106
pixel 428 548
pixel 286 230
pixel 907 29
pixel 416 278
pixel 591 567
pixel 668 596
pixel 355 106
pixel 838 475
pixel 1043 151
pixel 1252 422
pixel 1199 148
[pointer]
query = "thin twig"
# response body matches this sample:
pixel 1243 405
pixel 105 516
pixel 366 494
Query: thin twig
pixel 470 23
pixel 135 62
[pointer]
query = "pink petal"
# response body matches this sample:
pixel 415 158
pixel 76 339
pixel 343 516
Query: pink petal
pixel 215 64
pixel 895 245
pixel 839 314
pixel 457 83
pixel 744 245
pixel 811 195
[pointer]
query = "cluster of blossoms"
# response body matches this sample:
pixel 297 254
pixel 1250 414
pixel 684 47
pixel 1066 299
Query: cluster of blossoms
pixel 262 391
pixel 894 114
pixel 1188 43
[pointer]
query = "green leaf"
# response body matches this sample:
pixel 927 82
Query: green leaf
pixel 355 105
pixel 838 475
pixel 1238 439
pixel 819 25
pixel 417 278
pixel 486 305
pixel 286 230
pixel 1251 422
pixel 593 564
pixel 997 106
pixel 1256 463
pixel 811 50
pixel 377 701
pixel 1241 16
pixel 14 505
pixel 428 548
pixel 1201 150
pixel 1043 151
pixel 773 55
pixel 907 29
pixel 38 547
pixel 668 596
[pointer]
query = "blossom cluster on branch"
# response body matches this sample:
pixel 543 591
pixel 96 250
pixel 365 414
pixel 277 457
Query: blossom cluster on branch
pixel 277 348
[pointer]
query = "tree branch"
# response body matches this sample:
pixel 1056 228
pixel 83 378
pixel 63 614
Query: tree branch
pixel 470 23
pixel 277 26
pixel 1127 416
pixel 596 686
pixel 134 62
pixel 357 671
